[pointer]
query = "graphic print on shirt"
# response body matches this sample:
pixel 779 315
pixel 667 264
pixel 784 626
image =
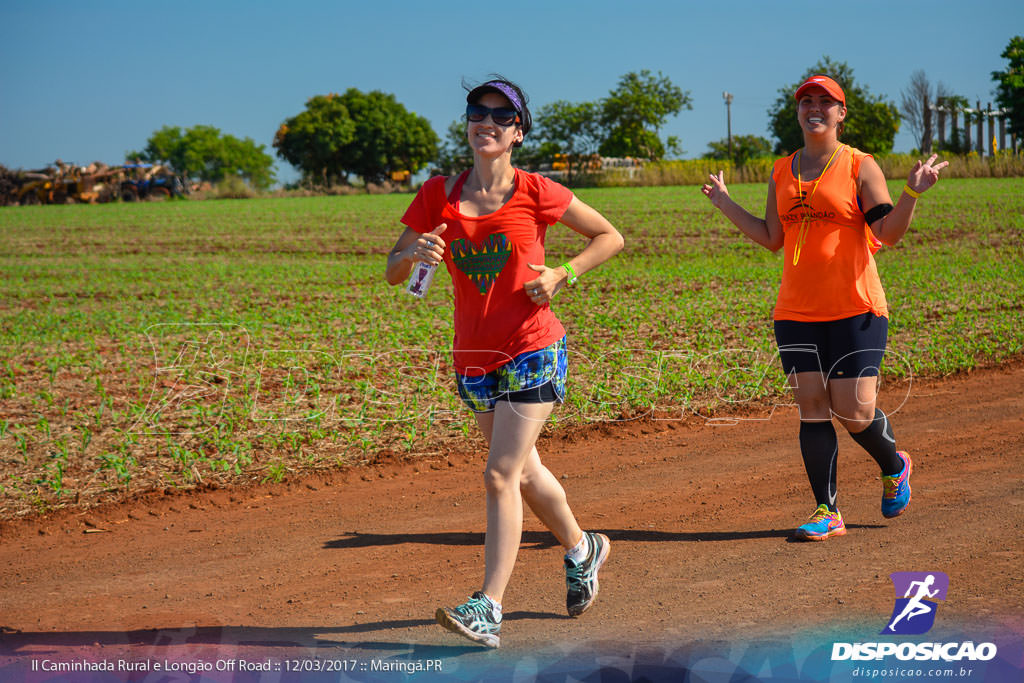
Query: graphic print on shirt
pixel 482 263
pixel 802 210
pixel 800 201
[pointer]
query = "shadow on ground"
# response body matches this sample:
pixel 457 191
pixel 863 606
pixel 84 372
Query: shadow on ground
pixel 543 539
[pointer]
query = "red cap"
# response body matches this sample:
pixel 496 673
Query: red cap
pixel 825 83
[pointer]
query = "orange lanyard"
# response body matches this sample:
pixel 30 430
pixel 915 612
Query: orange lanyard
pixel 802 237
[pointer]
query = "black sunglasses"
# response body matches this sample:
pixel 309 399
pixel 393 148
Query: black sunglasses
pixel 502 116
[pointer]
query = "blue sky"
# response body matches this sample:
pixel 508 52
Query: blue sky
pixel 90 81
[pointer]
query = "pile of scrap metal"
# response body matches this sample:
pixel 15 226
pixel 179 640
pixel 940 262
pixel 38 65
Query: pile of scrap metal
pixel 69 184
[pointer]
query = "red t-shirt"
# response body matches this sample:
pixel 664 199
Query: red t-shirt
pixel 487 258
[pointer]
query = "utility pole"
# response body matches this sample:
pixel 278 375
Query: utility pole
pixel 727 96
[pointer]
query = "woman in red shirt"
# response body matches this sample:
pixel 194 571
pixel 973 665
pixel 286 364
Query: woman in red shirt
pixel 488 226
pixel 831 317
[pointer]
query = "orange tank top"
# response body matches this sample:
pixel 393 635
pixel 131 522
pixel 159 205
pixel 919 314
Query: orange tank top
pixel 829 271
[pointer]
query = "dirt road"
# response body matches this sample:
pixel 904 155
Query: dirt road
pixel 699 517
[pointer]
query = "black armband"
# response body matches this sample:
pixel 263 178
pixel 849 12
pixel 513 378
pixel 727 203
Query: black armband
pixel 880 211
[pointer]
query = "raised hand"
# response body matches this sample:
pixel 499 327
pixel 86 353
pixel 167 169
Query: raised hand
pixel 924 175
pixel 716 190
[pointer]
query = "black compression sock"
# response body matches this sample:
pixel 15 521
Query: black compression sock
pixel 879 442
pixel 820 449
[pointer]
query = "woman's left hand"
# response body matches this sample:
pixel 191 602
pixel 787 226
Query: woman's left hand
pixel 923 176
pixel 543 289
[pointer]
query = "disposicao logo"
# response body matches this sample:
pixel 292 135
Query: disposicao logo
pixel 917 594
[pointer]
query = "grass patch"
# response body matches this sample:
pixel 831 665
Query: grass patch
pixel 184 343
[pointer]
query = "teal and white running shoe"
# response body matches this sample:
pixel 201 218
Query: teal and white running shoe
pixel 581 579
pixel 478 619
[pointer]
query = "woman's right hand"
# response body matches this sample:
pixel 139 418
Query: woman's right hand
pixel 716 190
pixel 428 248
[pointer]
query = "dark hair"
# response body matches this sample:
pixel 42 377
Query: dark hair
pixel 474 92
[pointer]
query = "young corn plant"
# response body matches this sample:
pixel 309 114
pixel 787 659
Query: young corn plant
pixel 120 464
pixel 84 438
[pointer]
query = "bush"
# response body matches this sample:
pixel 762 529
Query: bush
pixel 1004 164
pixel 696 171
pixel 233 187
pixel 686 172
pixel 308 189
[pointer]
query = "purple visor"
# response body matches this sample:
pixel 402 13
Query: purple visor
pixel 496 86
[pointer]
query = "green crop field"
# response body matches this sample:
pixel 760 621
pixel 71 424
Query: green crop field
pixel 219 342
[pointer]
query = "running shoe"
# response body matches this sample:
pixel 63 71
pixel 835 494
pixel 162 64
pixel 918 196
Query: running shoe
pixel 824 523
pixel 896 489
pixel 581 579
pixel 478 619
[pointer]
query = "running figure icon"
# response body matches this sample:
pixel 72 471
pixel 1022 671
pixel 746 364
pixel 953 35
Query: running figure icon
pixel 916 606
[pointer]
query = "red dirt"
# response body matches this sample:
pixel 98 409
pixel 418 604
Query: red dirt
pixel 699 517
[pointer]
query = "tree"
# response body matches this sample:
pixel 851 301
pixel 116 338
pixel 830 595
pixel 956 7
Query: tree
pixel 744 148
pixel 454 155
pixel 387 137
pixel 204 153
pixel 569 128
pixel 246 159
pixel 311 140
pixel 635 111
pixel 163 145
pixel 916 103
pixel 367 134
pixel 1010 85
pixel 871 123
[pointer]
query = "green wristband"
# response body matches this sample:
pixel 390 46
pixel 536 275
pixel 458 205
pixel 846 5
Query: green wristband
pixel 572 273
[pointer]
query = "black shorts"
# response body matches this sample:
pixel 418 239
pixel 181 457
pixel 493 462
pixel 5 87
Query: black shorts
pixel 841 349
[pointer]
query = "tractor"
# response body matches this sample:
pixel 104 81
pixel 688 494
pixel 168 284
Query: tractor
pixel 152 182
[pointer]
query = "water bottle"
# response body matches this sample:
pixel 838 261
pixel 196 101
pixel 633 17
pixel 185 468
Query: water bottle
pixel 419 281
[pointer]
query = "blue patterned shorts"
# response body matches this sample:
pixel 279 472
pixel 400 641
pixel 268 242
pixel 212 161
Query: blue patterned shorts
pixel 531 377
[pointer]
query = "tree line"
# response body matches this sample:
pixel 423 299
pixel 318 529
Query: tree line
pixel 372 136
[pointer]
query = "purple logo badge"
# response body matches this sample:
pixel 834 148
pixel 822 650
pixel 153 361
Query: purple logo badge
pixel 917 594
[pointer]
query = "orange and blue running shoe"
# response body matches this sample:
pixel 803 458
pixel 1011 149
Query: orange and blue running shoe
pixel 824 523
pixel 896 489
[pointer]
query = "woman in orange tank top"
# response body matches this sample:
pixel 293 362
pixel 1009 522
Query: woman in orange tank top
pixel 831 317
